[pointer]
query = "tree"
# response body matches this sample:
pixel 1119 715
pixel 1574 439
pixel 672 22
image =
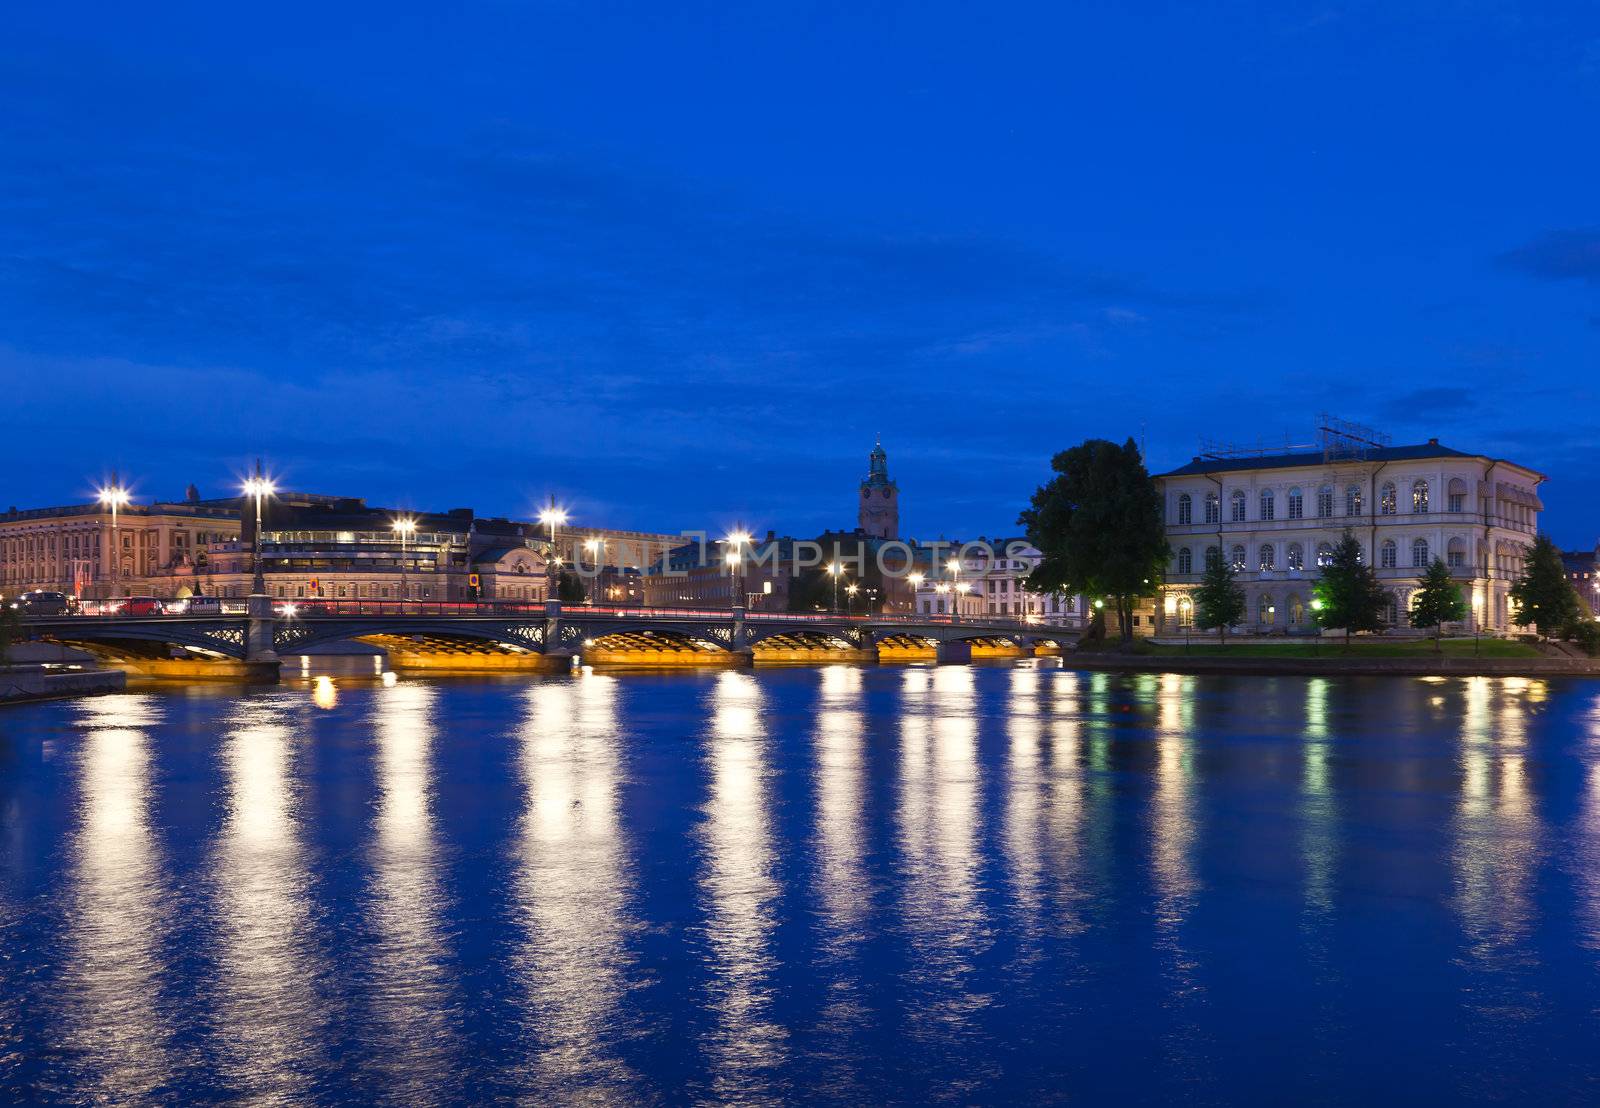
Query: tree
pixel 1098 524
pixel 1348 594
pixel 1543 595
pixel 1438 602
pixel 1219 601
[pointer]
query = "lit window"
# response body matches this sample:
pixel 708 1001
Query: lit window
pixel 1237 556
pixel 1296 556
pixel 1266 553
pixel 1352 500
pixel 1324 554
pixel 1419 496
pixel 1387 500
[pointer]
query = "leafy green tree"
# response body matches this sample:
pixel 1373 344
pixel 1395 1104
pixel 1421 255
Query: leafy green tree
pixel 1348 594
pixel 1098 524
pixel 1543 595
pixel 1219 601
pixel 1438 602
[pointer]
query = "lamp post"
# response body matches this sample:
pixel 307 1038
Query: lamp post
pixel 596 547
pixel 259 488
pixel 405 527
pixel 850 591
pixel 835 569
pixel 553 517
pixel 916 580
pixel 943 590
pixel 735 559
pixel 953 566
pixel 115 496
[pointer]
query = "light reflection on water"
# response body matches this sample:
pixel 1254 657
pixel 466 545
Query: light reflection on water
pixel 120 907
pixel 967 884
pixel 573 882
pixel 268 999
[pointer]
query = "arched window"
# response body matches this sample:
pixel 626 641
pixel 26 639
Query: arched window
pixel 1185 509
pixel 1419 554
pixel 1324 554
pixel 1456 491
pixel 1386 499
pixel 1296 556
pixel 1266 553
pixel 1237 503
pixel 1237 556
pixel 1325 502
pixel 1213 557
pixel 1213 508
pixel 1185 612
pixel 1297 609
pixel 1267 611
pixel 1185 560
pixel 1297 504
pixel 1419 496
pixel 1386 554
pixel 1352 500
pixel 1269 506
pixel 1455 553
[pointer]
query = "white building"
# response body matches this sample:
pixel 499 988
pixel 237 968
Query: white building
pixel 1276 518
pixel 991 582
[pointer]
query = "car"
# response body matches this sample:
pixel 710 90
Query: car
pixel 200 606
pixel 141 606
pixel 41 602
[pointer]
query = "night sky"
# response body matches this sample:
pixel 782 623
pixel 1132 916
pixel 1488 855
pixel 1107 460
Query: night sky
pixel 680 263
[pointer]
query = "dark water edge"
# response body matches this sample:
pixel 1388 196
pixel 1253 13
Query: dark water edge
pixel 972 884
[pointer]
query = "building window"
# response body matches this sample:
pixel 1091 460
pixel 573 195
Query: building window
pixel 1213 557
pixel 1386 554
pixel 1455 555
pixel 1325 502
pixel 1386 499
pixel 1185 560
pixel 1352 500
pixel 1267 611
pixel 1237 503
pixel 1213 508
pixel 1297 504
pixel 1185 509
pixel 1419 554
pixel 1458 502
pixel 1419 496
pixel 1296 556
pixel 1324 554
pixel 1237 555
pixel 1266 553
pixel 1268 505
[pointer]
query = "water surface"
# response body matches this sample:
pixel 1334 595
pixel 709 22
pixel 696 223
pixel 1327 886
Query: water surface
pixel 967 884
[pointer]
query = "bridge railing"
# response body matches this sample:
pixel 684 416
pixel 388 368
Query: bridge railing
pixel 316 607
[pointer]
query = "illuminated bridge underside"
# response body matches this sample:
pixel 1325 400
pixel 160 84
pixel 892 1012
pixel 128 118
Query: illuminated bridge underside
pixel 655 648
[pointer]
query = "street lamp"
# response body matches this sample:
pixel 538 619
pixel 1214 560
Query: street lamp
pixel 259 488
pixel 953 566
pixel 596 547
pixel 735 559
pixel 405 527
pixel 553 517
pixel 850 590
pixel 835 569
pixel 916 580
pixel 115 496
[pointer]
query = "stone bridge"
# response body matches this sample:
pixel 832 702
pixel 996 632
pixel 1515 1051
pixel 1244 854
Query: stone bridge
pixel 247 640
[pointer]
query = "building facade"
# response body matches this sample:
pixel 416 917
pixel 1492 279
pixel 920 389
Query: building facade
pixel 1276 518
pixel 992 581
pixel 85 551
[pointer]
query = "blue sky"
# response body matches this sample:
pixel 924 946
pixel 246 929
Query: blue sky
pixel 680 263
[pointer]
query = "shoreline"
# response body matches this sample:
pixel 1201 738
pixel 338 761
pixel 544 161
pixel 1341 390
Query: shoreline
pixel 29 684
pixel 1334 666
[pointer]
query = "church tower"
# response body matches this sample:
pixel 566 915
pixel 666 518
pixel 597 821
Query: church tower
pixel 878 513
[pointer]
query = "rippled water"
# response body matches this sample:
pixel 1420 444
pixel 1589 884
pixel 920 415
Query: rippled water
pixel 883 884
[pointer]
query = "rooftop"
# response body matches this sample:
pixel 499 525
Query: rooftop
pixel 1293 460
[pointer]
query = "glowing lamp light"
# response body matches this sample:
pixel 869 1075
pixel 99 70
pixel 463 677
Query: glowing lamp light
pixel 553 517
pixel 916 580
pixel 1099 603
pixel 953 565
pixel 1316 605
pixel 259 487
pixel 114 496
pixel 404 526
